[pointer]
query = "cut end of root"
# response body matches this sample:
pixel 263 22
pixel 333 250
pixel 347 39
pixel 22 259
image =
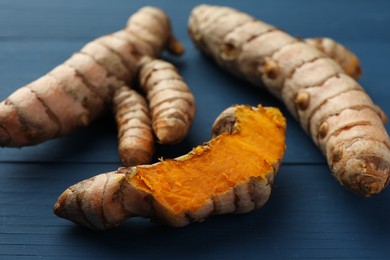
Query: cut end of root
pixel 225 122
pixel 233 173
pixel 366 176
pixel 211 179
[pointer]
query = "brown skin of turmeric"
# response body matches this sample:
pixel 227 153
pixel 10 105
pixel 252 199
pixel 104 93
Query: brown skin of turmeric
pixel 330 105
pixel 135 134
pixel 348 61
pixel 81 89
pixel 232 173
pixel 172 104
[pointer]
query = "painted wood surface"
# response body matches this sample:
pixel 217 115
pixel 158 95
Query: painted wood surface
pixel 308 215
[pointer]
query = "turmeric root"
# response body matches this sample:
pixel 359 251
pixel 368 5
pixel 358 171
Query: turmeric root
pixel 348 61
pixel 171 103
pixel 135 135
pixel 81 89
pixel 232 173
pixel 331 107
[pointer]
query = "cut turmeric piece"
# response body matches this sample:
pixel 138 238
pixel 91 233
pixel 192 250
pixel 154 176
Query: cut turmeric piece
pixel 232 173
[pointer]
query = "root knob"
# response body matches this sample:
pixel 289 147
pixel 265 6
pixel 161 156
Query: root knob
pixel 302 100
pixel 270 69
pixel 229 51
pixel 323 130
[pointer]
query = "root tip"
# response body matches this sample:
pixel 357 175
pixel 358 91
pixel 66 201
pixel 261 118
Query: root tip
pixel 366 176
pixel 171 134
pixel 59 208
pixel 175 46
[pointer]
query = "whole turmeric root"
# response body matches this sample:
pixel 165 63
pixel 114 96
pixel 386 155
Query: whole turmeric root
pixel 332 107
pixel 81 89
pixel 171 102
pixel 232 173
pixel 135 135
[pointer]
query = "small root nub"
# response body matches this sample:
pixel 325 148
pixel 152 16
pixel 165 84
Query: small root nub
pixel 229 51
pixel 302 100
pixel 270 69
pixel 323 130
pixel 337 155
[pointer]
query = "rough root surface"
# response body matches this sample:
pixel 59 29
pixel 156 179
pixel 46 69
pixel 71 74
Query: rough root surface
pixel 81 89
pixel 330 105
pixel 232 173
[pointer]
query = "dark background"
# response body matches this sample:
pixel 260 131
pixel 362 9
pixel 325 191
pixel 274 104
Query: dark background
pixel 309 215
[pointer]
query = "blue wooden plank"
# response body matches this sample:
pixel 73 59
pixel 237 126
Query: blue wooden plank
pixel 308 215
pixel 77 19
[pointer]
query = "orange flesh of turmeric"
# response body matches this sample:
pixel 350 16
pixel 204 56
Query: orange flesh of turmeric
pixel 226 161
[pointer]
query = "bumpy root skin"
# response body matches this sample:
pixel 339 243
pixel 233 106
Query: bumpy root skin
pixel 135 135
pixel 347 60
pixel 81 89
pixel 233 173
pixel 171 102
pixel 311 77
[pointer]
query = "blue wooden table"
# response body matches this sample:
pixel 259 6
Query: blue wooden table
pixel 309 215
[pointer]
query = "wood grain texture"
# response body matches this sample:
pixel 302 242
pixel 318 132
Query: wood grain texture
pixel 308 214
pixel 302 220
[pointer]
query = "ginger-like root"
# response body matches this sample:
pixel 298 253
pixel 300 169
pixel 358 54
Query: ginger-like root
pixel 171 102
pixel 232 173
pixel 331 106
pixel 81 89
pixel 348 61
pixel 135 135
